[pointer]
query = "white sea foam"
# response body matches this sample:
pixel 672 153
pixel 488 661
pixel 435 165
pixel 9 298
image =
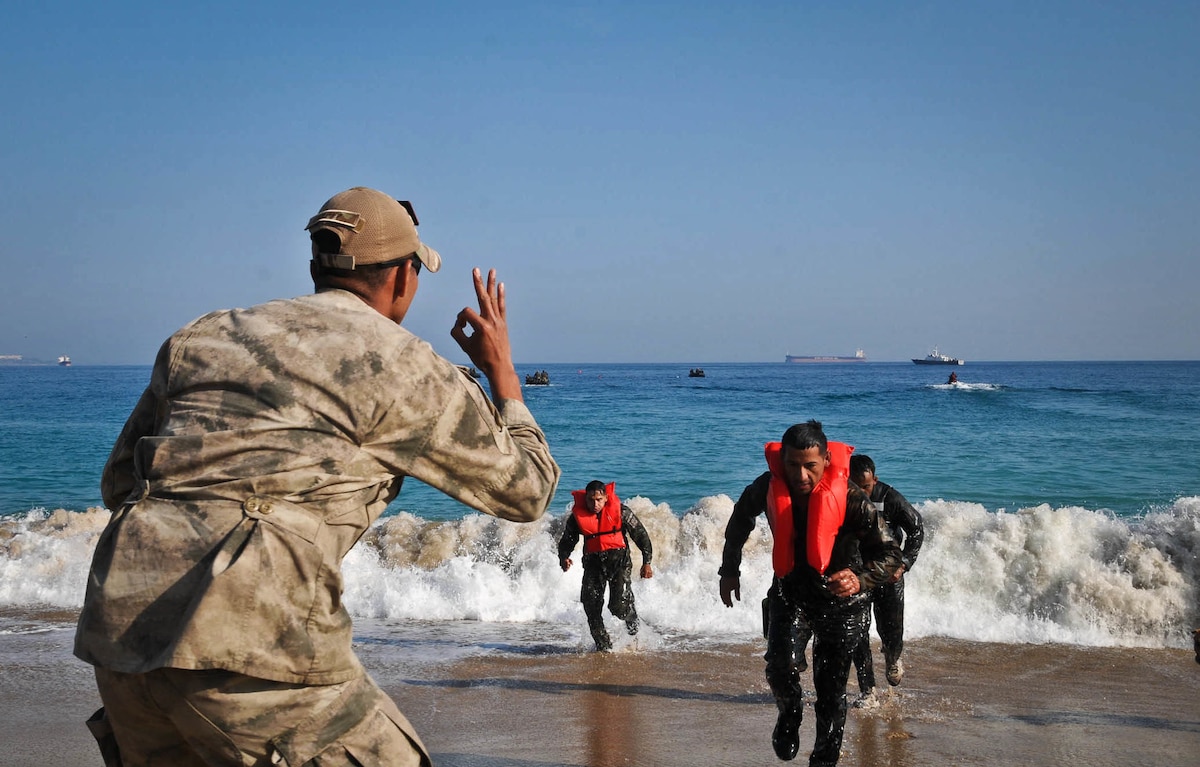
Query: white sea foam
pixel 967 386
pixel 44 557
pixel 1040 574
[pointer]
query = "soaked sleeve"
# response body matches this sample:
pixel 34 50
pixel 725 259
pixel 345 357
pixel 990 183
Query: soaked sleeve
pixel 638 533
pixel 741 523
pixel 880 551
pixel 570 536
pixel 443 430
pixel 900 513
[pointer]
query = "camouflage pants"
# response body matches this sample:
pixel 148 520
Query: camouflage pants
pixel 612 569
pixel 182 718
pixel 835 638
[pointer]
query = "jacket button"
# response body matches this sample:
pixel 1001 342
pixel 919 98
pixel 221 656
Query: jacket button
pixel 266 507
pixel 252 504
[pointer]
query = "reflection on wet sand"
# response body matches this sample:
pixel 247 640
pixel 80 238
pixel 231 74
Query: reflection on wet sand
pixel 962 703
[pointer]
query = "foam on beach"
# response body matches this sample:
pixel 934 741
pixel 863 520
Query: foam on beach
pixel 1041 574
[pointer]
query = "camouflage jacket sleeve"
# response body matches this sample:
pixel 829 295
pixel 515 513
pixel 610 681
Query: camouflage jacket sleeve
pixel 490 456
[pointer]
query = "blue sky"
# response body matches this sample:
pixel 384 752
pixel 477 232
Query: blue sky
pixel 1009 181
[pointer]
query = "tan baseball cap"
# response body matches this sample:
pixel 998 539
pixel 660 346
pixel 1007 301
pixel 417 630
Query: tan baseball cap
pixel 373 229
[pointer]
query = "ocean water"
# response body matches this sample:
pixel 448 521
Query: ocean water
pixel 1061 501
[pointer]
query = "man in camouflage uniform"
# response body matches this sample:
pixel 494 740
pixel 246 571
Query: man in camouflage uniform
pixel 266 443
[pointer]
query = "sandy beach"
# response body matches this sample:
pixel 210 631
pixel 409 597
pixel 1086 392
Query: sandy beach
pixel 962 703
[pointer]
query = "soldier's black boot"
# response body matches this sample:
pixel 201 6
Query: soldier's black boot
pixel 600 634
pixel 786 738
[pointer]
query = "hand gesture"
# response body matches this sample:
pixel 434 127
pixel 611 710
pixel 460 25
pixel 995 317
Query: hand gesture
pixel 488 345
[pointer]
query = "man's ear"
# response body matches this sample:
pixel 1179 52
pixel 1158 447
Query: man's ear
pixel 405 282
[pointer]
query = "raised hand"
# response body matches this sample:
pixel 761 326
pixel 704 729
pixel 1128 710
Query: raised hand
pixel 487 344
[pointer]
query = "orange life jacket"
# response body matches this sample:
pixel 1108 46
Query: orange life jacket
pixel 826 509
pixel 603 531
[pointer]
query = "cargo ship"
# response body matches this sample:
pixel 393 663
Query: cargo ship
pixel 858 357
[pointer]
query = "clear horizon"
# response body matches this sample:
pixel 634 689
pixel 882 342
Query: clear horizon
pixel 729 182
pixel 521 366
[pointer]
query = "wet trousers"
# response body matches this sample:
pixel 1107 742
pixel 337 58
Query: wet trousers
pixel 181 718
pixel 835 636
pixel 888 605
pixel 612 568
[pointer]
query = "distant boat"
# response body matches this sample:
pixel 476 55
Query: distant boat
pixel 540 378
pixel 696 373
pixel 65 361
pixel 859 356
pixel 937 358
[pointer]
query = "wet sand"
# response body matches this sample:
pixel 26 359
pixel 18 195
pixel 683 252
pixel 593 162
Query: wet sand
pixel 961 703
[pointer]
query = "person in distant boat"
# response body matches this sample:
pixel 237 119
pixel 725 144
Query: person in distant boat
pixel 606 525
pixel 267 442
pixel 953 378
pixel 830 548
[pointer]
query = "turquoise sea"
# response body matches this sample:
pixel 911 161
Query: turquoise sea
pixel 1062 499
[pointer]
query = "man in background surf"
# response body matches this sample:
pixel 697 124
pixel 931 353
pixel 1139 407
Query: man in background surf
pixel 887 598
pixel 833 601
pixel 606 525
pixel 266 443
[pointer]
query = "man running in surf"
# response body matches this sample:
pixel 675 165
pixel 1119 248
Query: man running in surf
pixel 606 525
pixel 830 548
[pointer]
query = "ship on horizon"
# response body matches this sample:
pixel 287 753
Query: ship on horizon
pixel 937 358
pixel 859 356
pixel 64 361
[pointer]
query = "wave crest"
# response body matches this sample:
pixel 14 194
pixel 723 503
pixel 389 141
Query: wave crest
pixel 1039 574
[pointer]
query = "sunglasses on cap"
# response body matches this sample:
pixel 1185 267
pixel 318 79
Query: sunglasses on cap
pixel 416 262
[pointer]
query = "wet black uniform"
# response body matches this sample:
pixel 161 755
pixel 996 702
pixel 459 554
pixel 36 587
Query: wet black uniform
pixel 906 525
pixel 865 545
pixel 888 599
pixel 612 567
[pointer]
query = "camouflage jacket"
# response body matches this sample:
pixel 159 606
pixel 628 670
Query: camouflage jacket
pixel 266 443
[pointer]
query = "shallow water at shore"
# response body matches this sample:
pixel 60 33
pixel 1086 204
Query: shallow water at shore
pixel 482 698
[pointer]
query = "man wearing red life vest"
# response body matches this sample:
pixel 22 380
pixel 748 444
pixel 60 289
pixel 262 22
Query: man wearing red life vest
pixel 605 524
pixel 830 548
